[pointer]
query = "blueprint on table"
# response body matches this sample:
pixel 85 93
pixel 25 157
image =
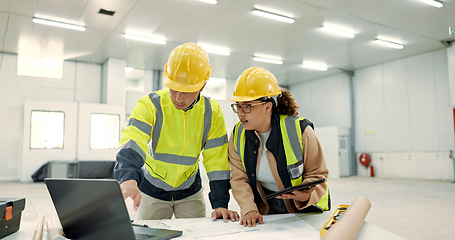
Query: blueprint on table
pixel 286 226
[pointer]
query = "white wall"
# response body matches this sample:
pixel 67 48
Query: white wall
pixel 325 102
pixel 404 107
pixel 403 114
pixel 406 103
pixel 328 138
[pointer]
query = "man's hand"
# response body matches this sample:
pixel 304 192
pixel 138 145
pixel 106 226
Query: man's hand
pixel 130 189
pixel 251 218
pixel 302 195
pixel 225 214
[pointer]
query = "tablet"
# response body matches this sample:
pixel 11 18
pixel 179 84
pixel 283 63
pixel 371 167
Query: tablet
pixel 297 187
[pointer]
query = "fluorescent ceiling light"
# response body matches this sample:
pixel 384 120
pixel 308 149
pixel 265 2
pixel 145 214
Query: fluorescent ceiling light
pixel 389 44
pixel 209 1
pixel 433 3
pixel 128 69
pixel 267 60
pixel 215 49
pixel 58 24
pixel 274 16
pixel 145 39
pixel 338 32
pixel 314 66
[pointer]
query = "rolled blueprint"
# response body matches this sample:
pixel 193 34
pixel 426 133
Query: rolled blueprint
pixel 39 228
pixel 54 229
pixel 348 225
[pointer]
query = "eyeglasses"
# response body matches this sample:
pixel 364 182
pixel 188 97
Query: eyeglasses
pixel 246 108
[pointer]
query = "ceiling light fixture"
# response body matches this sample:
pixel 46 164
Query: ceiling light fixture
pixel 433 3
pixel 314 66
pixel 58 24
pixel 267 60
pixel 389 43
pixel 336 31
pixel 274 16
pixel 144 39
pixel 215 49
pixel 209 1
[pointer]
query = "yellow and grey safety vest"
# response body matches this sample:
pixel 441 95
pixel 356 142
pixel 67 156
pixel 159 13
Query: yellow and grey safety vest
pixel 291 132
pixel 169 142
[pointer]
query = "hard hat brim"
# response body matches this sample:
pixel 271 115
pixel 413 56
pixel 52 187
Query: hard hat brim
pixel 182 87
pixel 243 98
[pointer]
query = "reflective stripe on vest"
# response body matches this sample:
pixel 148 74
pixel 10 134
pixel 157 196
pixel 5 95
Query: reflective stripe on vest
pixel 290 127
pixel 290 130
pixel 239 142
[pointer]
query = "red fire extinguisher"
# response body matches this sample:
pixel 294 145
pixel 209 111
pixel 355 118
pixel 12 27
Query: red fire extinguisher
pixel 365 160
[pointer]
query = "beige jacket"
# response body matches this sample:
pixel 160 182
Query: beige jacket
pixel 314 168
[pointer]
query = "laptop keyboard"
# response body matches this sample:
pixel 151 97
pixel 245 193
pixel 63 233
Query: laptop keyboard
pixel 140 236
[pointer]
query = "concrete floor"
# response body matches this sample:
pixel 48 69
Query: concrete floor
pixel 413 209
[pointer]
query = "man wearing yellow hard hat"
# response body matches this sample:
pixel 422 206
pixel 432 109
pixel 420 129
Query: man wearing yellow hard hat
pixel 158 162
pixel 271 149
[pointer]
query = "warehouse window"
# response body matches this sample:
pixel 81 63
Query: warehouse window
pixel 47 130
pixel 105 131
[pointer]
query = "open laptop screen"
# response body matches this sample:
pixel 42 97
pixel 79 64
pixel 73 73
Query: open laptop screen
pixel 90 208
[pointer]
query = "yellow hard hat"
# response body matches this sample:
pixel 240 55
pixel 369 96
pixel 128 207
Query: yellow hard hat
pixel 187 68
pixel 255 83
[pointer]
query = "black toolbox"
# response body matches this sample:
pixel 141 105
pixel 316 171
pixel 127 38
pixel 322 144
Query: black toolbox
pixel 10 215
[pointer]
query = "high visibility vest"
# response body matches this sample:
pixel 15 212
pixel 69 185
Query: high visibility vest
pixel 170 140
pixel 293 147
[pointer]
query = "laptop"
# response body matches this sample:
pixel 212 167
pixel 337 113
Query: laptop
pixel 92 209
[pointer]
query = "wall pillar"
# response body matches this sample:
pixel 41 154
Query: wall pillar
pixel 451 67
pixel 113 82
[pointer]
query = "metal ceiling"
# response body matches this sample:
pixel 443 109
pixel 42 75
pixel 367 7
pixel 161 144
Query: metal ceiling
pixel 229 23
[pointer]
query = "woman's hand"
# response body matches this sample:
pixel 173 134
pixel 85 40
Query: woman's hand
pixel 251 218
pixel 298 195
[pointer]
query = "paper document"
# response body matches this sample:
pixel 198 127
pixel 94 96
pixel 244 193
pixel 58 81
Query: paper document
pixel 283 226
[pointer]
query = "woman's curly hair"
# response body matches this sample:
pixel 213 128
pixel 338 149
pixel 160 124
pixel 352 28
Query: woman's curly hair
pixel 286 104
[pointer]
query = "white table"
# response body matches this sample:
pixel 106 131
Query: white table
pixel 368 231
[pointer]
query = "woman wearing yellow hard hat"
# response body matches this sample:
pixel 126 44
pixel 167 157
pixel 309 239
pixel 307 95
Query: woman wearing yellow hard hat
pixel 271 149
